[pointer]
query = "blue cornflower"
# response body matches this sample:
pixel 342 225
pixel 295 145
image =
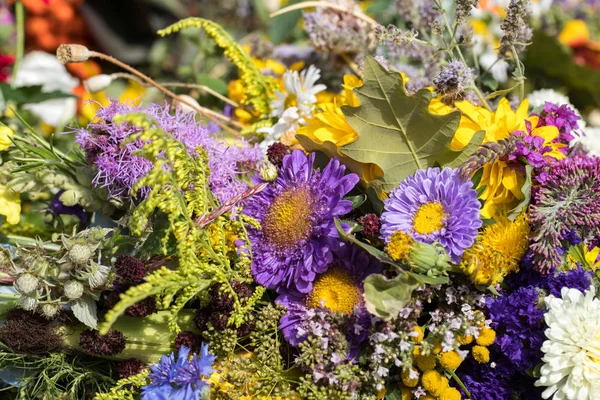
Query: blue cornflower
pixel 181 379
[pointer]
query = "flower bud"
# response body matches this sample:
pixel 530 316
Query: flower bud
pixel 68 53
pixel 97 83
pixel 430 259
pixel 70 197
pixel 49 310
pixel 5 259
pixel 27 303
pixel 26 284
pixel 73 290
pixel 268 172
pixel 97 275
pixel 80 254
pixel 190 100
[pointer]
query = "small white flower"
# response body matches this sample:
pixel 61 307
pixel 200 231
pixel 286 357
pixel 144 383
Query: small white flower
pixel 39 68
pixel 293 106
pixel 497 66
pixel 591 141
pixel 571 359
pixel 538 98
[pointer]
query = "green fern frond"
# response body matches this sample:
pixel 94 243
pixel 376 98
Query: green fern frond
pixel 259 89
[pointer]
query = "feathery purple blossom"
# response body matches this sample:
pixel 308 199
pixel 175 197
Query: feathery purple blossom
pixel 118 168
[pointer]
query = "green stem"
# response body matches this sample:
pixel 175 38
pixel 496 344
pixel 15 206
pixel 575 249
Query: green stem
pixel 20 17
pixel 460 54
pixel 459 382
pixel 27 241
pixel 520 75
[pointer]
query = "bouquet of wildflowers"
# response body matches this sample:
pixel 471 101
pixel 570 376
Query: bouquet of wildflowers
pixel 389 212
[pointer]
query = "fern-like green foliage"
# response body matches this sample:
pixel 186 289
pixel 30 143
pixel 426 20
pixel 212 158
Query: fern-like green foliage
pixel 126 389
pixel 54 376
pixel 179 188
pixel 259 89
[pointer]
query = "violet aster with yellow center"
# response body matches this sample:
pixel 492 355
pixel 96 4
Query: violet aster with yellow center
pixel 434 205
pixel 339 290
pixel 297 213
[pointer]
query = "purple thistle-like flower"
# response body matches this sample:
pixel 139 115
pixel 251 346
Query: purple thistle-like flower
pixel 452 82
pixel 563 117
pixel 180 379
pixel 434 205
pixel 118 168
pixel 297 213
pixel 345 279
pixel 567 200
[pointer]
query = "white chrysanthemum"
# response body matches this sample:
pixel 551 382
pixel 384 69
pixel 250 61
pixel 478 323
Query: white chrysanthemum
pixel 295 105
pixel 591 141
pixel 539 97
pixel 571 359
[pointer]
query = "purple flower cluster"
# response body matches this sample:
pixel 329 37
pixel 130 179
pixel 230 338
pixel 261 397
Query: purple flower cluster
pixel 119 168
pixel 563 117
pixel 531 148
pixel 182 379
pixel 518 319
pixel 567 200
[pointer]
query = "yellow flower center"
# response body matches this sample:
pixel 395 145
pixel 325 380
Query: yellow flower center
pixel 336 290
pixel 429 218
pixel 290 101
pixel 287 222
pixel 399 246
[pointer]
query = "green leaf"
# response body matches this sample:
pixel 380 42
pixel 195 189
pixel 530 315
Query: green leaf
pixel 368 173
pixel 387 297
pixel 373 251
pixel 396 131
pixel 526 189
pixel 29 94
pixel 378 6
pixel 393 392
pixel 547 58
pixel 476 178
pixel 283 25
pixel 488 81
pixel 357 200
pixel 84 309
pixel 536 371
pixel 480 190
pixel 215 84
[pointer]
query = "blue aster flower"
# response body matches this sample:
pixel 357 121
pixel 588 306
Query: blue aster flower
pixel 296 213
pixel 434 205
pixel 181 379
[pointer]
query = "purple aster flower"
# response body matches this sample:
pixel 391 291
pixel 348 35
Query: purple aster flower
pixel 180 379
pixel 118 168
pixel 434 205
pixel 340 289
pixel 563 117
pixel 297 213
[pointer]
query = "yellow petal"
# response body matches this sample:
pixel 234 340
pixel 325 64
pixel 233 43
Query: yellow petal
pixel 10 205
pixel 575 32
pixel 5 135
